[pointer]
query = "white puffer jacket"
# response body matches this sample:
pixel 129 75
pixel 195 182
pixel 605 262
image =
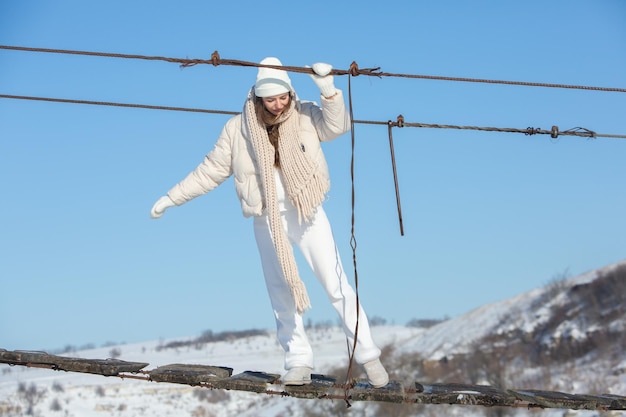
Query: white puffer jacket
pixel 233 154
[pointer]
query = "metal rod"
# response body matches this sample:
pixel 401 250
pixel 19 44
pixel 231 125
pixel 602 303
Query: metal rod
pixel 395 177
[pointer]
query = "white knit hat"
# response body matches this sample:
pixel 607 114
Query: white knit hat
pixel 271 82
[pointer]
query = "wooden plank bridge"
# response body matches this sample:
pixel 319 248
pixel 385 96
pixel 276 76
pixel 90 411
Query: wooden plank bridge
pixel 321 387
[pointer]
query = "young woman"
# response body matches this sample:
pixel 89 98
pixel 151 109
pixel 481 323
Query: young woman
pixel 281 178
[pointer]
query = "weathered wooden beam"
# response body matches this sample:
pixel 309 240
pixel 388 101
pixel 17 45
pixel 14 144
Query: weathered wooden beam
pixel 555 399
pixel 321 387
pixel 393 392
pixel 106 367
pixel 189 374
pixel 465 394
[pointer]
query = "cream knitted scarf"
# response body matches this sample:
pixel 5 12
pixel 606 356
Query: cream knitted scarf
pixel 304 187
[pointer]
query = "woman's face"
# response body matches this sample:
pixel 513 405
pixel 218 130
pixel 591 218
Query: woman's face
pixel 276 104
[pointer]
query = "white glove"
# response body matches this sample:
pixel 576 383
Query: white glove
pixel 160 206
pixel 323 79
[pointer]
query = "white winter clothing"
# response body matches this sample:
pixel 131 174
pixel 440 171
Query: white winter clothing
pixel 233 155
pixel 317 245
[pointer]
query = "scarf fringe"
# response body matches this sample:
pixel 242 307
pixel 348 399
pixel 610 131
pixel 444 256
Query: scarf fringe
pixel 309 197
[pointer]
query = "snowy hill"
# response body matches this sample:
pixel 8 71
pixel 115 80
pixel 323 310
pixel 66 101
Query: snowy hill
pixel 532 312
pixel 567 336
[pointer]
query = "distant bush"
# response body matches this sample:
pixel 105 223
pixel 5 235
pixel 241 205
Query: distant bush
pixel 67 349
pixel 324 324
pixel 55 405
pixel 30 396
pixel 211 396
pixel 100 391
pixel 424 323
pixel 115 353
pixel 377 321
pixel 209 337
pixel 57 387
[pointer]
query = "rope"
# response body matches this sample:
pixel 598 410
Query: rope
pixel 352 349
pixel 354 70
pixel 554 132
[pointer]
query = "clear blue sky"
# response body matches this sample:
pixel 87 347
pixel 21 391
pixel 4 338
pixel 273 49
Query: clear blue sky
pixel 486 215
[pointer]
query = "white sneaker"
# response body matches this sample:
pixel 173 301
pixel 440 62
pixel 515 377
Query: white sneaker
pixel 376 374
pixel 300 375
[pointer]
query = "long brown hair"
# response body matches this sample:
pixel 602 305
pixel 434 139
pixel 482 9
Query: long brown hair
pixel 271 122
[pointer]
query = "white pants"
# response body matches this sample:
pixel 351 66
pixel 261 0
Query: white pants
pixel 317 244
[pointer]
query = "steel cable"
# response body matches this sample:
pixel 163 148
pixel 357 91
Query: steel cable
pixel 554 132
pixel 354 70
